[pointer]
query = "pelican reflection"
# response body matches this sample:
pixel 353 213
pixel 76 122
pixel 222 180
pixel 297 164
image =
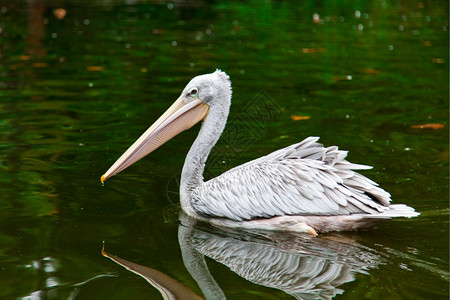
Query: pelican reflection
pixel 299 265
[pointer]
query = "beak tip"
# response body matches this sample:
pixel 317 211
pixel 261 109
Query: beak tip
pixel 102 179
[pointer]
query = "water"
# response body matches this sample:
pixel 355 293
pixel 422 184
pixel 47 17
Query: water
pixel 77 91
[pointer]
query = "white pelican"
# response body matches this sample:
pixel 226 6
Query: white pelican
pixel 304 187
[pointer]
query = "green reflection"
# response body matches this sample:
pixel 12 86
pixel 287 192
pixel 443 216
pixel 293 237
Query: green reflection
pixel 75 92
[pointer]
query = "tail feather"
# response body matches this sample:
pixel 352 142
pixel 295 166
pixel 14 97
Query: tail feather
pixel 395 211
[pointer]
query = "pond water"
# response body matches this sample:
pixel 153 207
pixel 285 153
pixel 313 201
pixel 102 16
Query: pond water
pixel 81 80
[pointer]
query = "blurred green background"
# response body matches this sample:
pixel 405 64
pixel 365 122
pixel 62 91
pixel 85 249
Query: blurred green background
pixel 81 80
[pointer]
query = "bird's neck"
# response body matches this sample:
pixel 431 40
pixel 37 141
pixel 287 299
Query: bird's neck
pixel 192 174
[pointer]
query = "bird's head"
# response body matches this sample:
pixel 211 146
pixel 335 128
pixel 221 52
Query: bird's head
pixel 208 87
pixel 193 105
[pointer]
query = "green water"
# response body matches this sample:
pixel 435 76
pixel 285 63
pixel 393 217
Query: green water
pixel 76 92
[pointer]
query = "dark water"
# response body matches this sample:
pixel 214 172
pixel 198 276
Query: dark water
pixel 77 90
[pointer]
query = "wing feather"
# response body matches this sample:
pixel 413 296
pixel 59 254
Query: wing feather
pixel 302 179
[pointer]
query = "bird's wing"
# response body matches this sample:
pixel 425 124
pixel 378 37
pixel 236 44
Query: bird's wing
pixel 302 179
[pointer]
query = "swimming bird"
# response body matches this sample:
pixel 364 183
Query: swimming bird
pixel 305 187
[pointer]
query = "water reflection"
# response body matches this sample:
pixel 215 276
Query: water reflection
pixel 299 265
pixel 166 285
pixel 59 114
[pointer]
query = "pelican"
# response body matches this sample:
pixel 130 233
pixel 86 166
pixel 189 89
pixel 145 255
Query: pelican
pixel 304 187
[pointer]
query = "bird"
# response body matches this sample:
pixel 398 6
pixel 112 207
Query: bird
pixel 304 187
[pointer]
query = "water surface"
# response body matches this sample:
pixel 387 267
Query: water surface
pixel 77 89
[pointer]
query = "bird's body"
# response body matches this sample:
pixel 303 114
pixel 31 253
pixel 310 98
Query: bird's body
pixel 304 187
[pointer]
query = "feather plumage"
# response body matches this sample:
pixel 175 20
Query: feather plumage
pixel 301 179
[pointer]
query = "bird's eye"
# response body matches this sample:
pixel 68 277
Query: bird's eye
pixel 193 92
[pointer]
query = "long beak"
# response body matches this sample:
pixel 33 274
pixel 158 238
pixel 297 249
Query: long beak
pixel 179 117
